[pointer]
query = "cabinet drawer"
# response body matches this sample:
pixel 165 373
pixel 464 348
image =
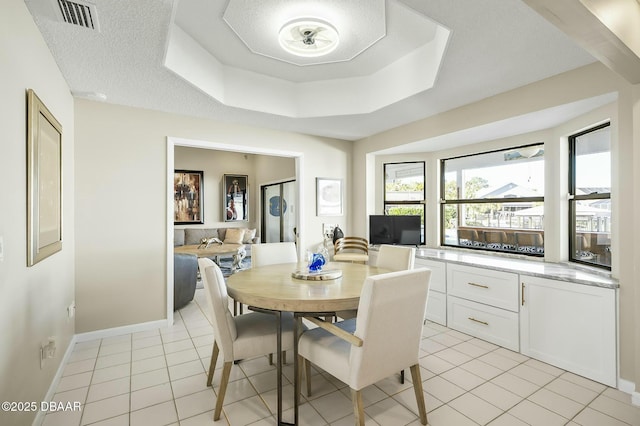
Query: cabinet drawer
pixel 436 307
pixel 438 281
pixel 495 288
pixel 494 325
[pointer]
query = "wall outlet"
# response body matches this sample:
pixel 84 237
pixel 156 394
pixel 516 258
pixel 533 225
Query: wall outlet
pixel 71 309
pixel 47 350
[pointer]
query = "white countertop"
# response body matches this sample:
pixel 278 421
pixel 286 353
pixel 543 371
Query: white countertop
pixel 535 268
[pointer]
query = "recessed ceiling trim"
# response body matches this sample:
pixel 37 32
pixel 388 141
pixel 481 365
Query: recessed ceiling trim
pixel 407 76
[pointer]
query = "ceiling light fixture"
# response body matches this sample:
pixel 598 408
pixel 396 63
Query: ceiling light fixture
pixel 308 37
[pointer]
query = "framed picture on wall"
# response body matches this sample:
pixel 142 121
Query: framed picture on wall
pixel 236 198
pixel 188 197
pixel 44 181
pixel 328 197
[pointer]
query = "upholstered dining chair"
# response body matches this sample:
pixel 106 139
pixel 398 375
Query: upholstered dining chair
pixel 273 253
pixel 382 342
pixel 351 249
pixel 394 258
pixel 238 337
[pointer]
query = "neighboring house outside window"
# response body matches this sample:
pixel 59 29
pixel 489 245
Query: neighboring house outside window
pixel 494 200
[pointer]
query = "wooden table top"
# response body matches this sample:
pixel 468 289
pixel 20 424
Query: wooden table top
pixel 213 249
pixel 273 287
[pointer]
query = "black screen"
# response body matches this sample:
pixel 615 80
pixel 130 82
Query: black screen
pixel 380 229
pixel 401 230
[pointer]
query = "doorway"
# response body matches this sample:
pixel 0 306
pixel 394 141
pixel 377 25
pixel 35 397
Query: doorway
pixel 279 208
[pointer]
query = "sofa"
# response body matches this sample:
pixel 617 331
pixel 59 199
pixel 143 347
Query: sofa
pixel 185 278
pixel 189 236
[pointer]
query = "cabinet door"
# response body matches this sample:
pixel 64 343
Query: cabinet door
pixel 438 281
pixel 571 326
pixel 436 307
pixel 437 300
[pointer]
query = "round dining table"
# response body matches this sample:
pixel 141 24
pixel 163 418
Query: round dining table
pixel 279 288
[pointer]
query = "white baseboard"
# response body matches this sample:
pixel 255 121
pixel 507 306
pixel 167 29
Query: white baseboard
pixel 92 335
pixel 629 387
pixel 125 329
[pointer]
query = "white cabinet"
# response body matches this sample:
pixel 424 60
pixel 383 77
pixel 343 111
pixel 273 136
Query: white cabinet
pixel 437 300
pixel 483 303
pixel 494 288
pixel 571 326
pixel 495 325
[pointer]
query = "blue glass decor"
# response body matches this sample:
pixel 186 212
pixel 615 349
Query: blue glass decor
pixel 316 262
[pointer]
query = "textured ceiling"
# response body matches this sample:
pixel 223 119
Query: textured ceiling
pixel 494 46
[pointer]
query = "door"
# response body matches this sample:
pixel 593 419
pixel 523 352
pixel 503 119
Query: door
pixel 279 208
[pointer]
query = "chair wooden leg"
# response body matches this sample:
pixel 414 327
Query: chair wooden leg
pixel 417 388
pixel 270 359
pixel 284 357
pixel 358 409
pixel 402 377
pixel 226 372
pixel 212 365
pixel 307 373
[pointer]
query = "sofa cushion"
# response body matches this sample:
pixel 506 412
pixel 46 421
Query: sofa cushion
pixel 249 235
pixel 195 235
pixel 234 236
pixel 222 233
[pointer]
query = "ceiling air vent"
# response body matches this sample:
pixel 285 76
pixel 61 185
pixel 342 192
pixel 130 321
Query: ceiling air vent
pixel 80 13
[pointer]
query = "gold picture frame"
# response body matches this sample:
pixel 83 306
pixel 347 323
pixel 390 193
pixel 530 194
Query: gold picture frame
pixel 44 181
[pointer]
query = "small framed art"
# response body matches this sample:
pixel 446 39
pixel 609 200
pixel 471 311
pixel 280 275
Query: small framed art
pixel 329 197
pixel 236 198
pixel 188 197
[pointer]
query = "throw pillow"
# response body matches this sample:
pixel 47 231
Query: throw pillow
pixel 234 236
pixel 249 235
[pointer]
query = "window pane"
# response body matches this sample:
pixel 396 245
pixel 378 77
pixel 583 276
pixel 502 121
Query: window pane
pixel 591 234
pixel 511 227
pixel 513 173
pixel 404 181
pixel 593 162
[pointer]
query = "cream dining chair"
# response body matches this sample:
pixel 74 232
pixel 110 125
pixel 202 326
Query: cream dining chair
pixel 273 253
pixel 240 337
pixel 382 342
pixel 394 258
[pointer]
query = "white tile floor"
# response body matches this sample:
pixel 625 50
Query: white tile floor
pixel 159 378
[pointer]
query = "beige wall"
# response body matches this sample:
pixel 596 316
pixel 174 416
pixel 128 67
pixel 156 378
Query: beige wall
pixel 586 82
pixel 33 300
pixel 121 167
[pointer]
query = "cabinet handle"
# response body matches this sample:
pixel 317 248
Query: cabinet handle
pixel 481 322
pixel 522 294
pixel 478 285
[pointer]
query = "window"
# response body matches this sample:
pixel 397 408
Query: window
pixel 590 196
pixel 404 190
pixel 494 200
